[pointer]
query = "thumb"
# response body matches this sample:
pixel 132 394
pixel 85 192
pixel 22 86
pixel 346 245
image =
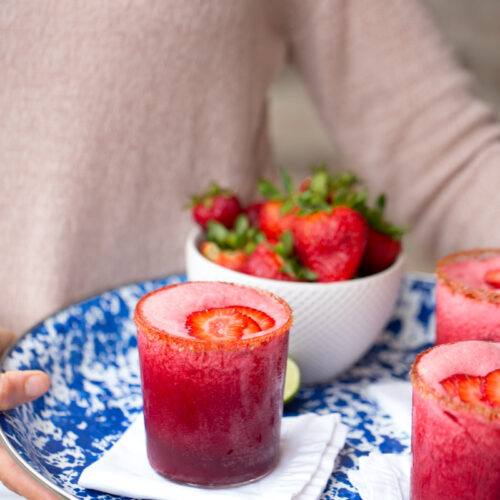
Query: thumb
pixel 18 387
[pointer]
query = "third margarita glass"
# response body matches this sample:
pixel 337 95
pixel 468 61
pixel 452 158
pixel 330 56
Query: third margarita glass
pixel 468 296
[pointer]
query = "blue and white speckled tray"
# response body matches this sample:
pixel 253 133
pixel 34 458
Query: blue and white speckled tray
pixel 90 352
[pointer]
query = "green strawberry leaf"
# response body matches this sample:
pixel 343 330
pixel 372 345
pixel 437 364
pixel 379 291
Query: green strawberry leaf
pixel 216 232
pixel 206 198
pixel 241 225
pixel 269 191
pixel 319 184
pixel 286 240
pixel 306 274
pixel 241 237
pixel 287 206
pixel 291 264
pixel 287 183
pixel 375 219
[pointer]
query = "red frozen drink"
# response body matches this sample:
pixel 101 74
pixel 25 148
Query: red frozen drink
pixel 468 296
pixel 213 358
pixel 456 422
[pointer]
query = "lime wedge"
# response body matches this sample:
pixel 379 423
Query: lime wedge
pixel 292 380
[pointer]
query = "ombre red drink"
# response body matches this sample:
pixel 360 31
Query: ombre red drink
pixel 456 422
pixel 468 296
pixel 212 400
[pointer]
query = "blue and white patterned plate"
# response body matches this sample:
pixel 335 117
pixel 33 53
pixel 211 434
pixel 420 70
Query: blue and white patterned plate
pixel 90 352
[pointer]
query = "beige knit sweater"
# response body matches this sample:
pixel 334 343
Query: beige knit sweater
pixel 112 112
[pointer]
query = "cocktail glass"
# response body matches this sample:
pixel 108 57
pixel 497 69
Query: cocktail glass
pixel 467 306
pixel 212 408
pixel 455 445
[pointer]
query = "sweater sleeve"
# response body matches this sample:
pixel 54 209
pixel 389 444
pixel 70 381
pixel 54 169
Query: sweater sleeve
pixel 404 115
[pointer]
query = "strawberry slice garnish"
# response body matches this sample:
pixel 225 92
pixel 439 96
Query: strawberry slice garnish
pixel 220 324
pixel 492 277
pixel 450 384
pixel 470 390
pixel 261 318
pixel 491 388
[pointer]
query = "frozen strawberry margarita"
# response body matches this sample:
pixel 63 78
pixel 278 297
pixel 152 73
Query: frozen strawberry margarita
pixel 213 358
pixel 468 296
pixel 456 422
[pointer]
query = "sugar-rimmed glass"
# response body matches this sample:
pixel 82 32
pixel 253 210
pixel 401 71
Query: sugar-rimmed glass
pixel 212 409
pixel 467 307
pixel 455 445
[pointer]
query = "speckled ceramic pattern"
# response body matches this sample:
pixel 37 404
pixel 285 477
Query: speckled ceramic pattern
pixel 90 351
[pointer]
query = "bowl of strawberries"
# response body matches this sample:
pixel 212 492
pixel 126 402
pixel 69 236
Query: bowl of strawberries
pixel 322 247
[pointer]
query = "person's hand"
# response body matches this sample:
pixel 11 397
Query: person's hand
pixel 16 388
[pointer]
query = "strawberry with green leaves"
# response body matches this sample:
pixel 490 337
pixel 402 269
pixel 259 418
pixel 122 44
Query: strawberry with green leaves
pixel 215 204
pixel 230 247
pixel 331 242
pixel 329 232
pixel 277 214
pixel 325 190
pixel 273 221
pixel 384 240
pixel 264 262
pixel 277 261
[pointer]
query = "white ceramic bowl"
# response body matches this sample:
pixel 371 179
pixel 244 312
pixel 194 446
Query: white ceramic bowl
pixel 334 323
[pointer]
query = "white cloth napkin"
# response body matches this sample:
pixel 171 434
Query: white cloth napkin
pixel 386 476
pixel 382 477
pixel 393 397
pixel 309 446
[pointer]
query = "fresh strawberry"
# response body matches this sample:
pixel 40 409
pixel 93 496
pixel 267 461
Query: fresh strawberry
pixel 273 222
pixel 380 252
pixel 220 324
pixel 278 261
pixel 278 212
pixel 232 259
pixel 450 384
pixel 215 204
pixel 261 318
pixel 470 390
pixel 384 239
pixel 491 388
pixel 230 247
pixel 265 262
pixel 492 277
pixel 331 244
pixel 253 213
